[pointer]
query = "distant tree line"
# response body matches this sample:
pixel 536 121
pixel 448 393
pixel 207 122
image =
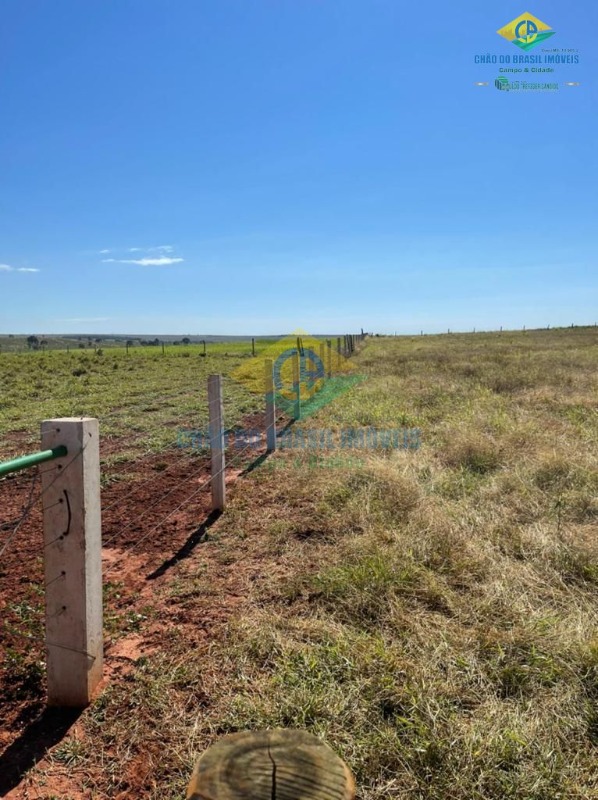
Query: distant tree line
pixel 83 342
pixel 35 343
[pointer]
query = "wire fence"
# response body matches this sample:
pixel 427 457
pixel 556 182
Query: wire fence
pixel 34 636
pixel 34 500
pixel 158 403
pixel 131 510
pixel 41 640
pixel 18 523
pixel 156 527
pixel 13 526
pixel 183 459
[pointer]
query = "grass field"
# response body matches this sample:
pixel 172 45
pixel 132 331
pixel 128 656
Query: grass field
pixel 138 397
pixel 432 614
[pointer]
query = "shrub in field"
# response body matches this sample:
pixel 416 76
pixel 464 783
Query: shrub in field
pixel 475 453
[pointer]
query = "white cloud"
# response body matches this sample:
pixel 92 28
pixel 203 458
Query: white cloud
pixel 163 248
pixel 8 268
pixel 144 262
pixel 153 262
pixel 158 256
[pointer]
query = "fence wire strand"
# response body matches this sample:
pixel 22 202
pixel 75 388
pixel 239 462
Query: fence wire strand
pixel 153 479
pixel 182 505
pixel 32 501
pixel 24 515
pixel 143 514
pixel 41 640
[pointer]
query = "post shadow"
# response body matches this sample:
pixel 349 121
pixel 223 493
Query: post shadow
pixel 185 551
pixel 33 743
pixel 264 456
pixel 254 464
pixel 199 534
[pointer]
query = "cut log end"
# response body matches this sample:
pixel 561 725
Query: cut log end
pixel 270 765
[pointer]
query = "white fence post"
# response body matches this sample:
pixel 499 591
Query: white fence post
pixel 72 561
pixel 270 406
pixel 217 442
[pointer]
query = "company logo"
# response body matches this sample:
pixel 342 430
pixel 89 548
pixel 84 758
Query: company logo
pixel 505 85
pixel 310 372
pixel 526 31
pixel 305 370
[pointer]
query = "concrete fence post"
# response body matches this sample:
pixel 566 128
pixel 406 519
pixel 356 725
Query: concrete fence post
pixel 338 352
pixel 216 429
pixel 270 406
pixel 322 355
pixel 72 561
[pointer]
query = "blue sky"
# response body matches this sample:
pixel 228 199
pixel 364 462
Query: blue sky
pixel 255 166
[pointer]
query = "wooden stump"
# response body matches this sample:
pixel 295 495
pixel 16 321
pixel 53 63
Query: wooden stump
pixel 270 765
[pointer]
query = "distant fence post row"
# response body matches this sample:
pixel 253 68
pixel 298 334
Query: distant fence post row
pixel 70 475
pixel 330 360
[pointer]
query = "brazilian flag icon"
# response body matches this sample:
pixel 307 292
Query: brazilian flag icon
pixel 526 31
